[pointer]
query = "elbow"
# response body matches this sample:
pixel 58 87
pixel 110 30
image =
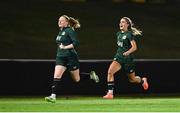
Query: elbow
pixel 135 49
pixel 75 44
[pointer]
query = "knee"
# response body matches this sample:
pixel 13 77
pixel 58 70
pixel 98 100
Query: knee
pixel 132 80
pixel 110 73
pixel 77 79
pixel 135 79
pixel 58 76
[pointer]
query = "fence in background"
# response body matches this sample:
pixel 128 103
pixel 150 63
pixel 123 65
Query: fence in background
pixel 34 77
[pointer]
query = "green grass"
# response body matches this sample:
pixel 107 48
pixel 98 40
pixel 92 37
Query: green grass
pixel 91 104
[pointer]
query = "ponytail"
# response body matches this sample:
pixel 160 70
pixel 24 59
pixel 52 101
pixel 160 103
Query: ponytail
pixel 131 27
pixel 135 31
pixel 74 23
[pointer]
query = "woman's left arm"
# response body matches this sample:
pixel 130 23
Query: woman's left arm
pixel 132 49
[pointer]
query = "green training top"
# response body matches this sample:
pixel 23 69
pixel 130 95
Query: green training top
pixel 123 42
pixel 66 36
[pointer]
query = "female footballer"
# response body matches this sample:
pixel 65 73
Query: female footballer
pixel 123 58
pixel 67 57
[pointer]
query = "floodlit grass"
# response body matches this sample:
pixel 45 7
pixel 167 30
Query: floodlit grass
pixel 90 104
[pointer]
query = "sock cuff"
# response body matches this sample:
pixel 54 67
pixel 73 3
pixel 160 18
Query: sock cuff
pixel 142 81
pixel 57 79
pixel 111 83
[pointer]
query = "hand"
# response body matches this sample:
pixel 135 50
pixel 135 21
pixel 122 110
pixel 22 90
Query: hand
pixel 62 46
pixel 126 53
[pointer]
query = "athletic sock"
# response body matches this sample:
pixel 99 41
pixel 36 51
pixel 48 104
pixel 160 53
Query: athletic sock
pixel 55 85
pixel 53 95
pixel 85 76
pixel 142 81
pixel 110 87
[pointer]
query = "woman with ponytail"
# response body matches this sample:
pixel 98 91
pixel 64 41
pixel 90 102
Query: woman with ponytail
pixel 123 58
pixel 66 57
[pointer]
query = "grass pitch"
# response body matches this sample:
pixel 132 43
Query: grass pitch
pixel 91 104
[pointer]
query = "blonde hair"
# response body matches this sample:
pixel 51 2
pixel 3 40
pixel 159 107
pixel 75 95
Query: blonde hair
pixel 131 27
pixel 74 23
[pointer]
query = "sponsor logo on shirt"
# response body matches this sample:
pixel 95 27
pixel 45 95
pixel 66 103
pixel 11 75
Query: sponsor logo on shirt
pixel 124 37
pixel 120 44
pixel 63 33
pixel 58 38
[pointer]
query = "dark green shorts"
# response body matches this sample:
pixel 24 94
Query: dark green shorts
pixel 127 63
pixel 71 62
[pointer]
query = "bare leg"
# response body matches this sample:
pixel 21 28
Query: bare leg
pixel 75 75
pixel 114 67
pixel 136 79
pixel 133 78
pixel 58 72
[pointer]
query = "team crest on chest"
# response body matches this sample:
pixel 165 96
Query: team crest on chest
pixel 124 37
pixel 63 33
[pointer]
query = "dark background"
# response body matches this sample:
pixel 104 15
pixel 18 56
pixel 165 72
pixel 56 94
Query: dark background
pixel 23 77
pixel 28 28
